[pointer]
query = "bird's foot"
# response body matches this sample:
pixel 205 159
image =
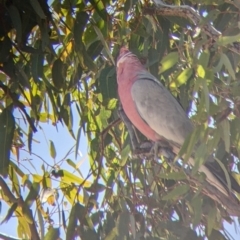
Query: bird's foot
pixel 150 149
pixel 162 148
pixel 144 150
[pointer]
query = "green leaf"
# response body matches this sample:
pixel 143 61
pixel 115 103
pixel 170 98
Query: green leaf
pixel 176 192
pixel 37 64
pixel 200 157
pixel 58 73
pixel 206 93
pixel 95 49
pixel 104 43
pixel 7 126
pixel 78 141
pixel 16 20
pixel 70 178
pixel 10 213
pixel 112 234
pixel 41 223
pixel 77 212
pixel 228 65
pixel 225 127
pixel 211 218
pixel 112 104
pixel 125 154
pixel 52 150
pixel 72 164
pixel 5 49
pixel 201 71
pixel 173 175
pixel 87 233
pixel 204 58
pixel 224 40
pixel 52 234
pixel 133 226
pixel 100 8
pixel 33 193
pixel 182 78
pixel 17 169
pixel 225 173
pixel 72 224
pixel 15 182
pixel 123 225
pixel 168 61
pixel 64 220
pixel 196 204
pixel 23 228
pixel 76 77
pixel 217 235
pixel 37 8
pixel 83 56
pixel 95 188
pixel 107 83
pixel 88 62
pixel 189 143
pixel 79 25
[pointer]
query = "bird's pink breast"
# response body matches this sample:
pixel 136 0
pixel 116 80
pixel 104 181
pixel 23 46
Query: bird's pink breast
pixel 126 77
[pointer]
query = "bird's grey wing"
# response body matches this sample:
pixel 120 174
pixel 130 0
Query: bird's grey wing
pixel 159 109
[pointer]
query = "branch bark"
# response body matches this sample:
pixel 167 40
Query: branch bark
pixel 190 14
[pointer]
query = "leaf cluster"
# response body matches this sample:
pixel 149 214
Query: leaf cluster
pixel 57 64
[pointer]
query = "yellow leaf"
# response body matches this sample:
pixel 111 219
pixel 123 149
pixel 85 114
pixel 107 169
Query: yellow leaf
pixel 200 71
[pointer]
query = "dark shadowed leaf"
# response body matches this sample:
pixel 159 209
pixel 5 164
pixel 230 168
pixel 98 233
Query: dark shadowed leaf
pixel 80 23
pixel 5 48
pixel 123 222
pixel 95 49
pixel 211 219
pixel 107 83
pixel 33 193
pixel 58 73
pixel 100 8
pixel 13 176
pixel 16 20
pixel 72 223
pixel 37 8
pixel 173 175
pixel 217 235
pixel 95 188
pixel 7 126
pixel 10 213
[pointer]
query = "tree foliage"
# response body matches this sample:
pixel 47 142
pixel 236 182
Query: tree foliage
pixel 57 60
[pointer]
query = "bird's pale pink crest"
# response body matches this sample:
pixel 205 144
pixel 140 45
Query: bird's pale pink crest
pixel 123 53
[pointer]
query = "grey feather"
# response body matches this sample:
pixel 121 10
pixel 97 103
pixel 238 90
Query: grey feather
pixel 159 109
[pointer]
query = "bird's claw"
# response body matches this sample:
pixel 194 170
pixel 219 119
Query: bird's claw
pixel 150 149
pixel 143 150
pixel 162 148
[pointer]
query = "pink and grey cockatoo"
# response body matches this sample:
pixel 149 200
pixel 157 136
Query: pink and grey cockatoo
pixel 157 114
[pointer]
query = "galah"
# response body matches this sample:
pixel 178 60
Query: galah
pixel 153 110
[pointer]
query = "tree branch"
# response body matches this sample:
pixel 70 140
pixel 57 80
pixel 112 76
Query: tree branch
pixel 190 14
